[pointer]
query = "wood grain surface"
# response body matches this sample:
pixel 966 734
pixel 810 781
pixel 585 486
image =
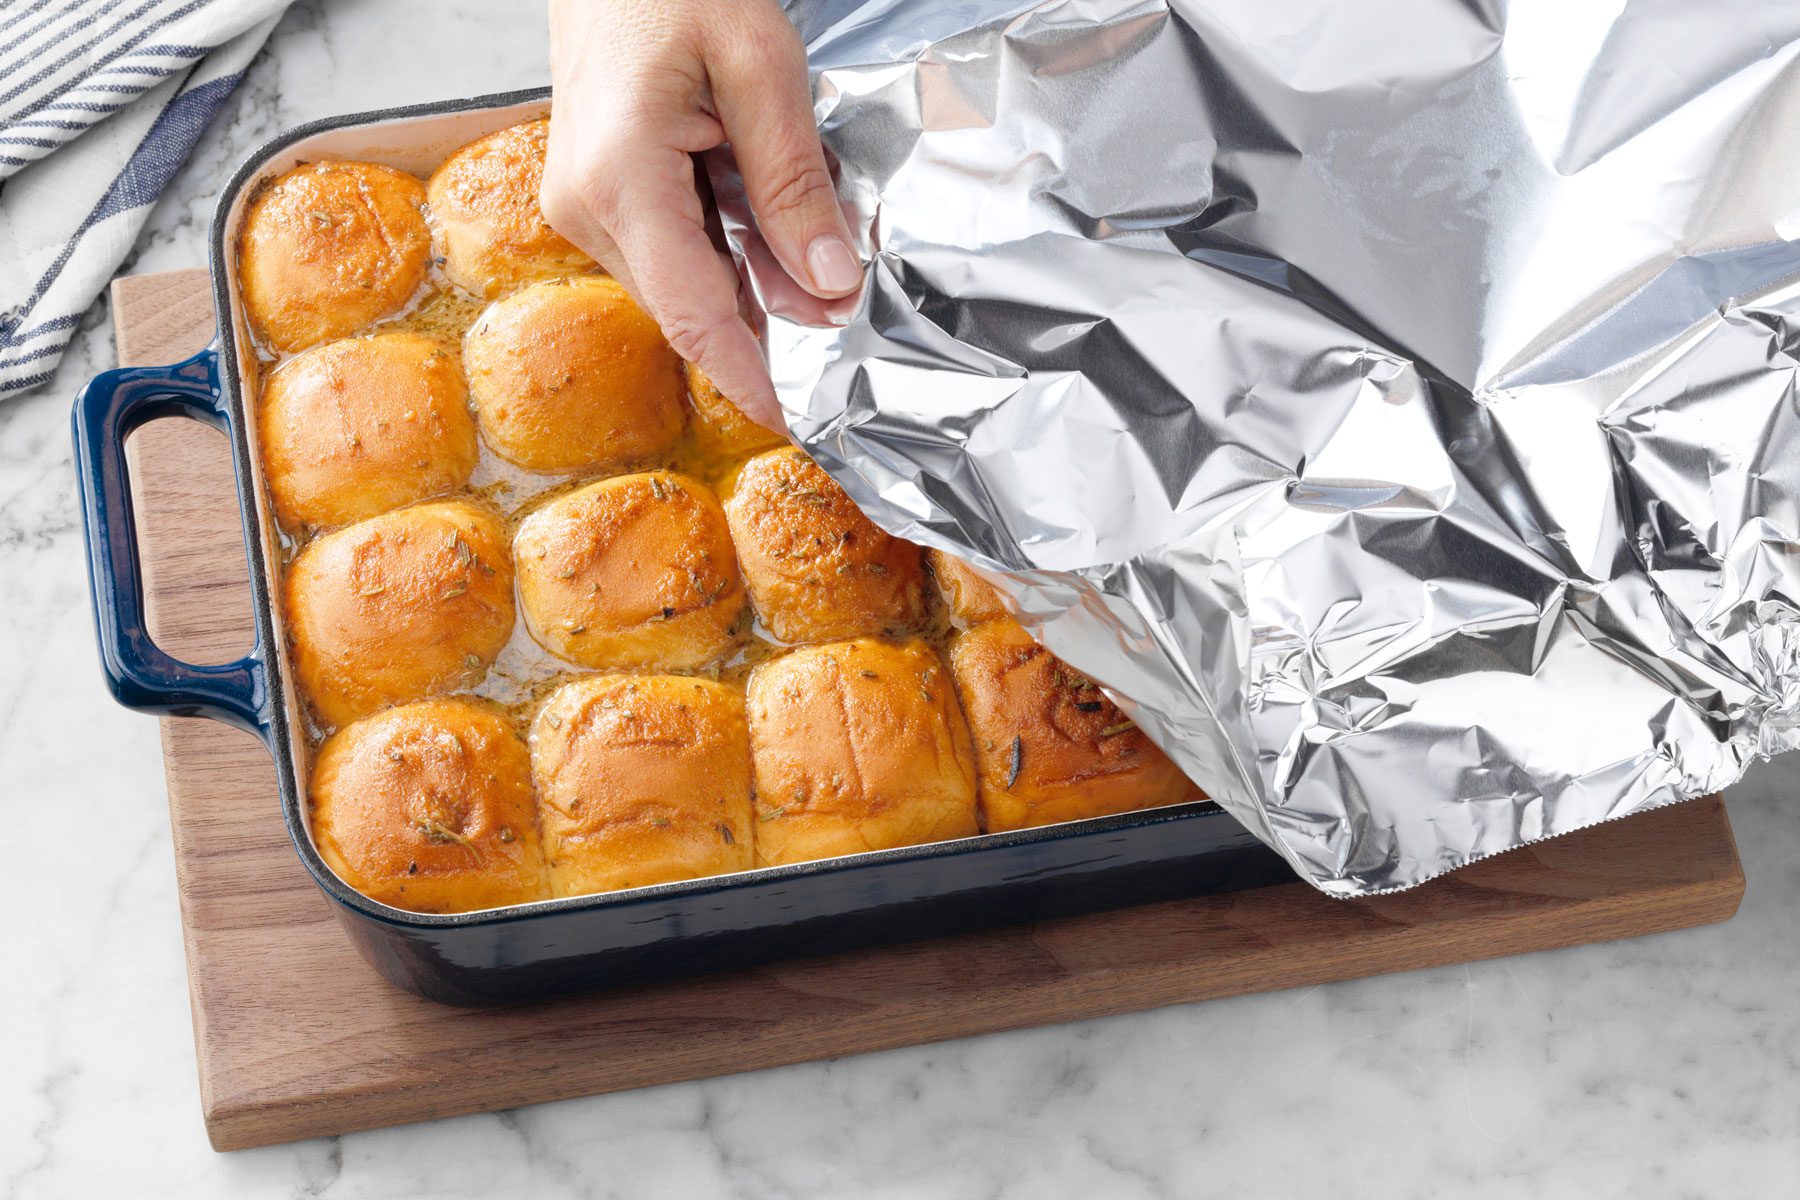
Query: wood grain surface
pixel 296 1037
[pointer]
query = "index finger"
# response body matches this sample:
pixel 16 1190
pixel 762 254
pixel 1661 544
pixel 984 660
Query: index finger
pixel 655 218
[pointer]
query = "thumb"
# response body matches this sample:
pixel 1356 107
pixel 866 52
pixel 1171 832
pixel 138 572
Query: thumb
pixel 759 90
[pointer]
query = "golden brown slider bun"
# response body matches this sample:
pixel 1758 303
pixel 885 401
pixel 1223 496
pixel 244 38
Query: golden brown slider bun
pixel 641 779
pixel 817 568
pixel 484 201
pixel 398 607
pixel 429 807
pixel 636 571
pixel 353 428
pixel 329 248
pixel 857 746
pixel 970 598
pixel 1050 745
pixel 572 374
pixel 722 423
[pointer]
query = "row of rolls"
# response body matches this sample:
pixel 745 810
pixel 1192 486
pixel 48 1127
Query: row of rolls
pixel 674 738
pixel 626 780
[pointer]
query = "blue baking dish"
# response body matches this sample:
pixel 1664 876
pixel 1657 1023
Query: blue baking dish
pixel 515 954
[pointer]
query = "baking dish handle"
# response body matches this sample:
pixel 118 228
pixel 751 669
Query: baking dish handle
pixel 138 672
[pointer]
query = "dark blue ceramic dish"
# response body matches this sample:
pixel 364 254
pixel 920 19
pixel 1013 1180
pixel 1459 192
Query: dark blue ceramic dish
pixel 515 954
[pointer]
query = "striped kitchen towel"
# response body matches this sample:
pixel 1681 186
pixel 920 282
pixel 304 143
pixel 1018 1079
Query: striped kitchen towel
pixel 100 103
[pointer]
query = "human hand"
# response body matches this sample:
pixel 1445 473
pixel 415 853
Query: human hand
pixel 640 86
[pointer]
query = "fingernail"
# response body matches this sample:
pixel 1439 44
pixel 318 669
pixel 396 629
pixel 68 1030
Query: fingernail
pixel 834 268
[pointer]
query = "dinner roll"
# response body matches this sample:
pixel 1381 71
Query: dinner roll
pixel 429 807
pixel 398 607
pixel 1050 745
pixel 970 598
pixel 484 202
pixel 636 571
pixel 722 424
pixel 571 375
pixel 641 779
pixel 353 428
pixel 857 746
pixel 816 567
pixel 330 247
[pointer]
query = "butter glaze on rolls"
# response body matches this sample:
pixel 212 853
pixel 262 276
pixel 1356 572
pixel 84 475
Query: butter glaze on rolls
pixel 572 375
pixel 429 807
pixel 857 746
pixel 970 598
pixel 356 427
pixel 1050 746
pixel 484 202
pixel 642 780
pixel 816 567
pixel 398 607
pixel 329 248
pixel 636 571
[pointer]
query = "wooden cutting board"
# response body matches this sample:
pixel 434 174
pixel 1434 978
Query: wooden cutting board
pixel 296 1037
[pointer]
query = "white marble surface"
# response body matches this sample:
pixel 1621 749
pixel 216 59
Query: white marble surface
pixel 1667 1066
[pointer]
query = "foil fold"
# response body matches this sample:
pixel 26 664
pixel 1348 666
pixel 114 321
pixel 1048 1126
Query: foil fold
pixel 1393 404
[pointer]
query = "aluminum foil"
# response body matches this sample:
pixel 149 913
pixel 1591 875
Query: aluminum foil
pixel 1395 401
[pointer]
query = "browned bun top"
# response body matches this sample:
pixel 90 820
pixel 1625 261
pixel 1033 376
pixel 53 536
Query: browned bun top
pixel 723 423
pixel 1051 747
pixel 857 746
pixel 399 607
pixel 484 201
pixel 642 779
pixel 429 807
pixel 636 571
pixel 816 567
pixel 330 247
pixel 970 598
pixel 572 375
pixel 353 428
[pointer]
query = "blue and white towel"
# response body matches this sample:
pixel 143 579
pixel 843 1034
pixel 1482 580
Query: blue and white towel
pixel 100 103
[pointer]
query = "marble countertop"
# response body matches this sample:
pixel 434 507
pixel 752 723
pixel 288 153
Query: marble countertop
pixel 1666 1066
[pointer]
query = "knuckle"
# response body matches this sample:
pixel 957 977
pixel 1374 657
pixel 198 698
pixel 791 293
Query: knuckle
pixel 570 185
pixel 760 43
pixel 558 202
pixel 691 335
pixel 597 190
pixel 798 189
pixel 762 36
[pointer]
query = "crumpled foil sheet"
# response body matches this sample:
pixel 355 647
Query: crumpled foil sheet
pixel 1395 400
